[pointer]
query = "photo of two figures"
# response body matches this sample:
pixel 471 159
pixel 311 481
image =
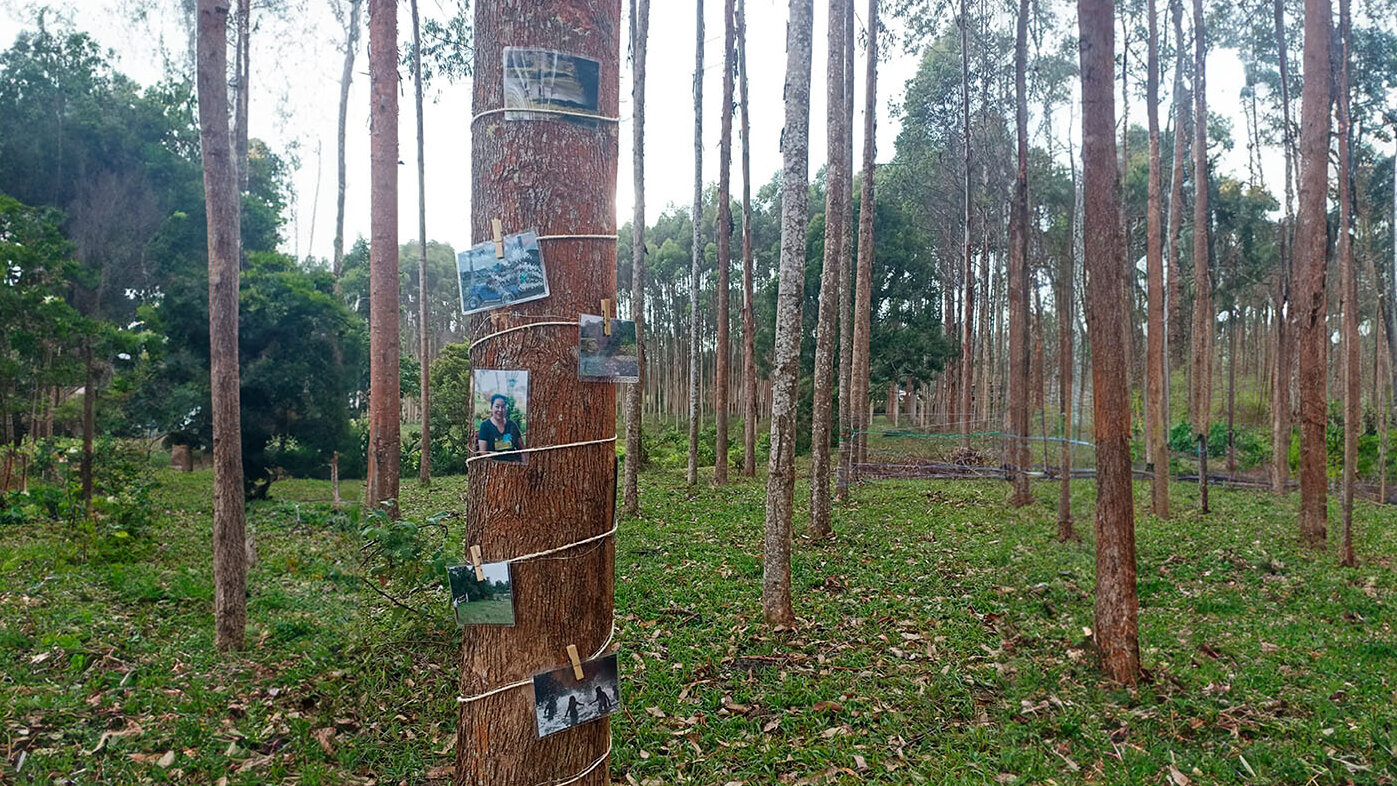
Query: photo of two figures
pixel 562 701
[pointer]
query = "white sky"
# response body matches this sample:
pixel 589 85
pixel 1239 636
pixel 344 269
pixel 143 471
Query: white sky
pixel 296 68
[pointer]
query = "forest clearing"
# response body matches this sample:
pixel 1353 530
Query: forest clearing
pixel 939 639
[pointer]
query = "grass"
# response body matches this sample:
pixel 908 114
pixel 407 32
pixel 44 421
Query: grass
pixel 486 612
pixel 941 640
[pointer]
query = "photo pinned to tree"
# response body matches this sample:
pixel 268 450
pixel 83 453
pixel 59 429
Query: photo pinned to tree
pixel 548 80
pixel 561 701
pixel 490 281
pixel 487 599
pixel 607 358
pixel 500 407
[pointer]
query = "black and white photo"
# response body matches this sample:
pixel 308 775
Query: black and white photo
pixel 562 701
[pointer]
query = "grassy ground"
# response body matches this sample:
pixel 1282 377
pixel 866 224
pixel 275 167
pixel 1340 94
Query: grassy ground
pixel 941 641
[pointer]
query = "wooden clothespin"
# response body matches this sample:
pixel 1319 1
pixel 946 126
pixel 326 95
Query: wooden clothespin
pixel 576 662
pixel 497 230
pixel 475 558
pixel 606 316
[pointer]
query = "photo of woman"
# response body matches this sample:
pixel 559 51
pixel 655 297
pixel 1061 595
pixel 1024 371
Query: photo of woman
pixel 501 410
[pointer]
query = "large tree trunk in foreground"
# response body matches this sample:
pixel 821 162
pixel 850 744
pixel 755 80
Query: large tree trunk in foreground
pixel 867 210
pixel 560 496
pixel 1156 405
pixel 1311 245
pixel 846 264
pixel 723 360
pixel 351 48
pixel 795 157
pixel 640 35
pixel 1018 282
pixel 221 199
pixel 385 399
pixel 825 380
pixel 749 318
pixel 424 470
pixel 1353 391
pixel 1117 608
pixel 1203 322
pixel 696 252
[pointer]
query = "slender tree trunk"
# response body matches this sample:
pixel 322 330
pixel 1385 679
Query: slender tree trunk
pixel 242 94
pixel 89 422
pixel 385 442
pixel 846 264
pixel 696 250
pixel 560 496
pixel 749 318
pixel 825 378
pixel 640 44
pixel 1285 355
pixel 1155 401
pixel 1311 243
pixel 722 361
pixel 1117 607
pixel 1176 186
pixel 1353 391
pixel 795 156
pixel 221 199
pixel 867 210
pixel 1019 282
pixel 967 336
pixel 351 47
pixel 424 471
pixel 1203 322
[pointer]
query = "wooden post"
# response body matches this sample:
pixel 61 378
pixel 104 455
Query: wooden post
pixel 556 175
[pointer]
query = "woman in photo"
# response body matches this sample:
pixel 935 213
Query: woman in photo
pixel 498 433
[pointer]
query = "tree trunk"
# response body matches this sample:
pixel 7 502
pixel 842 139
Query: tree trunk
pixel 846 264
pixel 560 496
pixel 1176 187
pixel 1019 283
pixel 424 470
pixel 640 44
pixel 351 47
pixel 242 96
pixel 749 319
pixel 1203 322
pixel 385 400
pixel 221 199
pixel 967 335
pixel 795 154
pixel 1155 401
pixel 868 209
pixel 1107 302
pixel 696 250
pixel 1311 244
pixel 825 381
pixel 1353 390
pixel 89 422
pixel 721 374
pixel 1285 355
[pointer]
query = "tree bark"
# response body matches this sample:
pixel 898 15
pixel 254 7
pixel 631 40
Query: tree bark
pixel 967 336
pixel 1176 189
pixel 867 211
pixel 1353 391
pixel 824 383
pixel 385 400
pixel 351 46
pixel 1203 322
pixel 721 373
pixel 242 95
pixel 696 249
pixel 221 200
pixel 1311 244
pixel 795 156
pixel 1285 355
pixel 1019 361
pixel 1117 607
pixel 749 319
pixel 560 496
pixel 846 263
pixel 640 44
pixel 424 469
pixel 1155 401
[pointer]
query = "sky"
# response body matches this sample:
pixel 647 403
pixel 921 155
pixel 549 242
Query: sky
pixel 296 65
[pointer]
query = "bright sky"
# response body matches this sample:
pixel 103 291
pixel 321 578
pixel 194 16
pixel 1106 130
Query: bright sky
pixel 296 66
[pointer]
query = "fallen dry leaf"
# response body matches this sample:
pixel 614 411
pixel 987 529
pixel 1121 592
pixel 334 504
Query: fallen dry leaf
pixel 323 736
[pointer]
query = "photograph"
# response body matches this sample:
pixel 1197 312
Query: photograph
pixel 612 358
pixel 543 79
pixel 482 602
pixel 562 701
pixel 489 282
pixel 501 409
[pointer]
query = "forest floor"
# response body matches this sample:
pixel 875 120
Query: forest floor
pixel 942 638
